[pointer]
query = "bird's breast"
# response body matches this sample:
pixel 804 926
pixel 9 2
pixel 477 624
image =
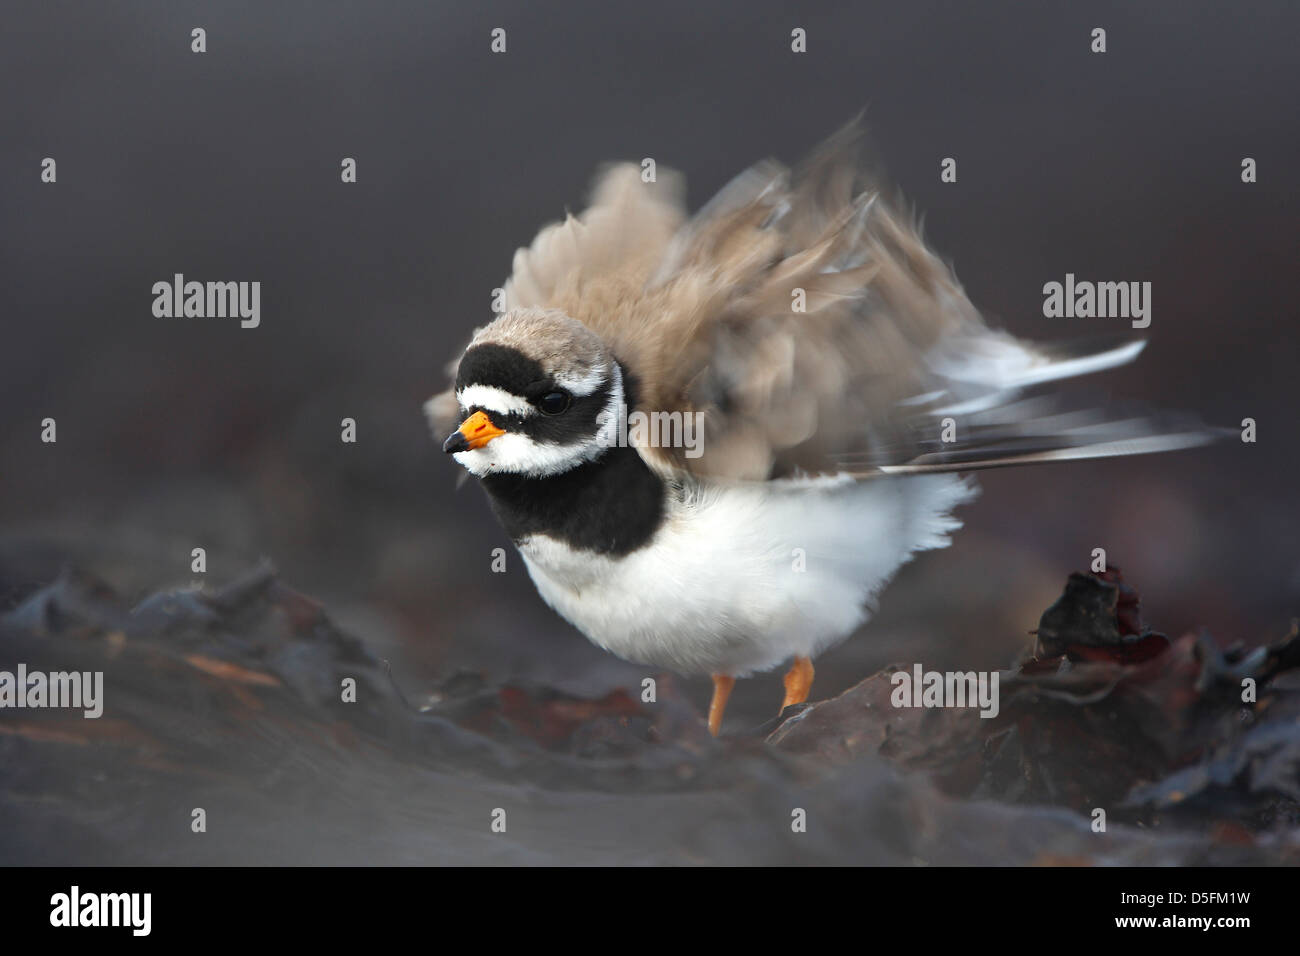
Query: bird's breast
pixel 611 506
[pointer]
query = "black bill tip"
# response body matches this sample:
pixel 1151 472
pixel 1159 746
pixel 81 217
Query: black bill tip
pixel 455 442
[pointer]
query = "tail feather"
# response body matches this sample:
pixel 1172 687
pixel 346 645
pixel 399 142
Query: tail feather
pixel 980 459
pixel 996 412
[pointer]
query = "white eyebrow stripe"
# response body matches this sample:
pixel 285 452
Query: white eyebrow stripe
pixel 583 385
pixel 494 400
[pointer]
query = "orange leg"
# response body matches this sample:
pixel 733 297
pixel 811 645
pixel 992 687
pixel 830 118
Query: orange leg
pixel 721 691
pixel 798 682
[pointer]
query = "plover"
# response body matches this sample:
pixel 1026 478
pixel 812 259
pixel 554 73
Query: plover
pixel 842 381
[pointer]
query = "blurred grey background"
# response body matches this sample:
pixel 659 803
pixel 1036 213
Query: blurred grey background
pixel 183 433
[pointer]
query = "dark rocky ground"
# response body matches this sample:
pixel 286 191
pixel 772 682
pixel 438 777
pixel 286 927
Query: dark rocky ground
pixel 229 699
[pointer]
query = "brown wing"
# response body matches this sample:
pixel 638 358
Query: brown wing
pixel 789 311
pixel 802 315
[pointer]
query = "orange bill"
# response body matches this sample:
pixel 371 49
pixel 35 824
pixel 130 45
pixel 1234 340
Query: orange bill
pixel 474 432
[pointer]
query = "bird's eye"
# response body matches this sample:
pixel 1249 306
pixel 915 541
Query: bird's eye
pixel 552 403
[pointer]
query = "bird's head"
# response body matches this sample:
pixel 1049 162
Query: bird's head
pixel 537 393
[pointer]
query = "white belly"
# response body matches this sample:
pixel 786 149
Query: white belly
pixel 743 577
